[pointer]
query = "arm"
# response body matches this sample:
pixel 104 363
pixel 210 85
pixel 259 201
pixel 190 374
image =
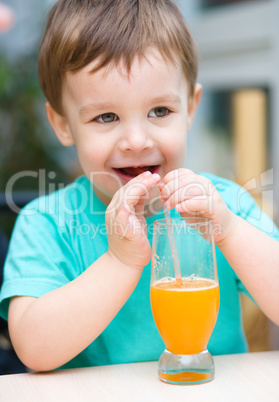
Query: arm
pixel 253 255
pixel 49 331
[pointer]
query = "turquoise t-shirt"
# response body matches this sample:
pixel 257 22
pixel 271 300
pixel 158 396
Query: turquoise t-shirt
pixel 57 237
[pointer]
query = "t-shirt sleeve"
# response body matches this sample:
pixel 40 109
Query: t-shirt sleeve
pixel 252 213
pixel 244 205
pixel 40 257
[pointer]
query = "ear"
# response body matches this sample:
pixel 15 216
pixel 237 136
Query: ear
pixel 193 105
pixel 60 126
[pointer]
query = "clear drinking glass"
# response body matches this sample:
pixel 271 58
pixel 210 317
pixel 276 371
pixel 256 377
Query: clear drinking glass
pixel 184 308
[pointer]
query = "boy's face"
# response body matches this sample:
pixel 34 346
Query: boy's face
pixel 119 123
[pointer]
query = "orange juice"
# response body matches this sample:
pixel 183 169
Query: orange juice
pixel 185 313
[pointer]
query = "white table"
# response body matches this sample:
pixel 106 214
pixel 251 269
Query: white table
pixel 243 377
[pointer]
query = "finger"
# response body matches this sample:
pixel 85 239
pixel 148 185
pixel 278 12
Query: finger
pixel 131 194
pixel 136 191
pixel 186 192
pixel 121 222
pixel 176 173
pixel 128 225
pixel 202 205
pixel 193 184
pixel 116 200
pixel 173 180
pixel 139 177
pixel 139 207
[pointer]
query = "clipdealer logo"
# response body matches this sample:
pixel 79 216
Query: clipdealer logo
pixel 262 184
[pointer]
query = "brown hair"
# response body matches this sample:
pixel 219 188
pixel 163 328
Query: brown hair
pixel 111 31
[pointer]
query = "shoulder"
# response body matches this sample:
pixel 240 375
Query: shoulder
pixel 74 208
pixel 69 201
pixel 241 203
pixel 53 213
pixel 235 196
pixel 222 184
pixel 67 197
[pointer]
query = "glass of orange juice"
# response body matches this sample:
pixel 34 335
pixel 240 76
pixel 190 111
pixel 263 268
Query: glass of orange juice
pixel 185 304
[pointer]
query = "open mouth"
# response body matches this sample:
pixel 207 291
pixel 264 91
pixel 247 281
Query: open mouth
pixel 130 172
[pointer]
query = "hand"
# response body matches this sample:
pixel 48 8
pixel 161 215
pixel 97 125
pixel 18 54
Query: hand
pixel 126 225
pixel 194 195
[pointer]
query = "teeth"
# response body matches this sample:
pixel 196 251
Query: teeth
pixel 134 171
pixel 139 170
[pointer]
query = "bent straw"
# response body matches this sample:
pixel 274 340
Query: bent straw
pixel 177 271
pixel 175 259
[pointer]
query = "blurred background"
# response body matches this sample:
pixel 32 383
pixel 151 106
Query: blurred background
pixel 235 134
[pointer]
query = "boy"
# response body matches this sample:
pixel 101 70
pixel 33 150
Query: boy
pixel 120 81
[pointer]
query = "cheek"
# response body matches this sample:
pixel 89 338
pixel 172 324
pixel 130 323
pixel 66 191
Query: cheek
pixel 176 146
pixel 91 155
pixel 175 152
pixel 177 133
pixel 108 184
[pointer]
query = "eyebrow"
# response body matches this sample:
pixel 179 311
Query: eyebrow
pixel 159 100
pixel 168 98
pixel 95 106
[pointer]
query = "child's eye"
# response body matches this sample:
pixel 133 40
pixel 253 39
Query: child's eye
pixel 106 118
pixel 159 112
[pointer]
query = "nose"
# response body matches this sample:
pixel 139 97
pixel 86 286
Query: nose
pixel 135 138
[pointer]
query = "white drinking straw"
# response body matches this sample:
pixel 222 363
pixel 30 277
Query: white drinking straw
pixel 175 259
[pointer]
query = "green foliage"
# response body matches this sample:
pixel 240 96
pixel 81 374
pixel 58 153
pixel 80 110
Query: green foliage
pixel 24 132
pixel 23 128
